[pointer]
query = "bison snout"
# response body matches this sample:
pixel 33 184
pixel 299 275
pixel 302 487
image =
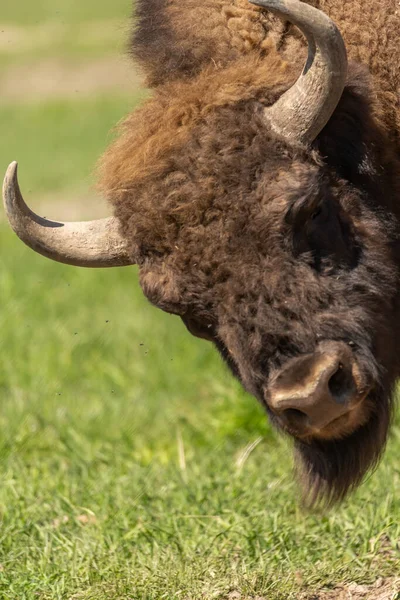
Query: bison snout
pixel 318 394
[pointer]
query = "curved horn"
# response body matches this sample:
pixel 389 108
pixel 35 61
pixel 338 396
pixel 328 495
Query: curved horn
pixel 304 110
pixel 86 244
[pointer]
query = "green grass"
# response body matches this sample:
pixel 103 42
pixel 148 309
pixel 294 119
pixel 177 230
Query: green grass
pixel 69 42
pixel 122 438
pixel 28 13
pixel 66 29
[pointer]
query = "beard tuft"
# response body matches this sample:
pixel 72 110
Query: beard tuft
pixel 329 470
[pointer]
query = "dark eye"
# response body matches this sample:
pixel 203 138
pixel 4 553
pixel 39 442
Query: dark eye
pixel 316 213
pixel 303 211
pixel 199 329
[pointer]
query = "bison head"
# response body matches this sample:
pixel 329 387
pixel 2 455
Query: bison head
pixel 262 211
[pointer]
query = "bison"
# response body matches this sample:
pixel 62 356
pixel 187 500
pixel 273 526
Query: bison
pixel 261 203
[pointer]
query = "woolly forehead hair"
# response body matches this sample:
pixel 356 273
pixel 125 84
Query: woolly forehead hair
pixel 176 40
pixel 152 135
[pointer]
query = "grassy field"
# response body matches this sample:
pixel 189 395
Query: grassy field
pixel 63 11
pixel 132 466
pixel 66 30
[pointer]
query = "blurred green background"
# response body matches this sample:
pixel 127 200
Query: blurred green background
pixel 131 464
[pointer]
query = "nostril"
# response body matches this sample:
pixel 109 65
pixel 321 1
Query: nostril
pixel 341 384
pixel 294 417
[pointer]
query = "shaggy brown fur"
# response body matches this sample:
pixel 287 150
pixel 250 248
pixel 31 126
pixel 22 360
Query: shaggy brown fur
pixel 264 248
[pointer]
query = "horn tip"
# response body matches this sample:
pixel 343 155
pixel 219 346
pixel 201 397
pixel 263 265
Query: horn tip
pixel 12 167
pixel 11 173
pixel 10 188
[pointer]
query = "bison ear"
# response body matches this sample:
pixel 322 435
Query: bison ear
pixel 346 142
pixel 159 285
